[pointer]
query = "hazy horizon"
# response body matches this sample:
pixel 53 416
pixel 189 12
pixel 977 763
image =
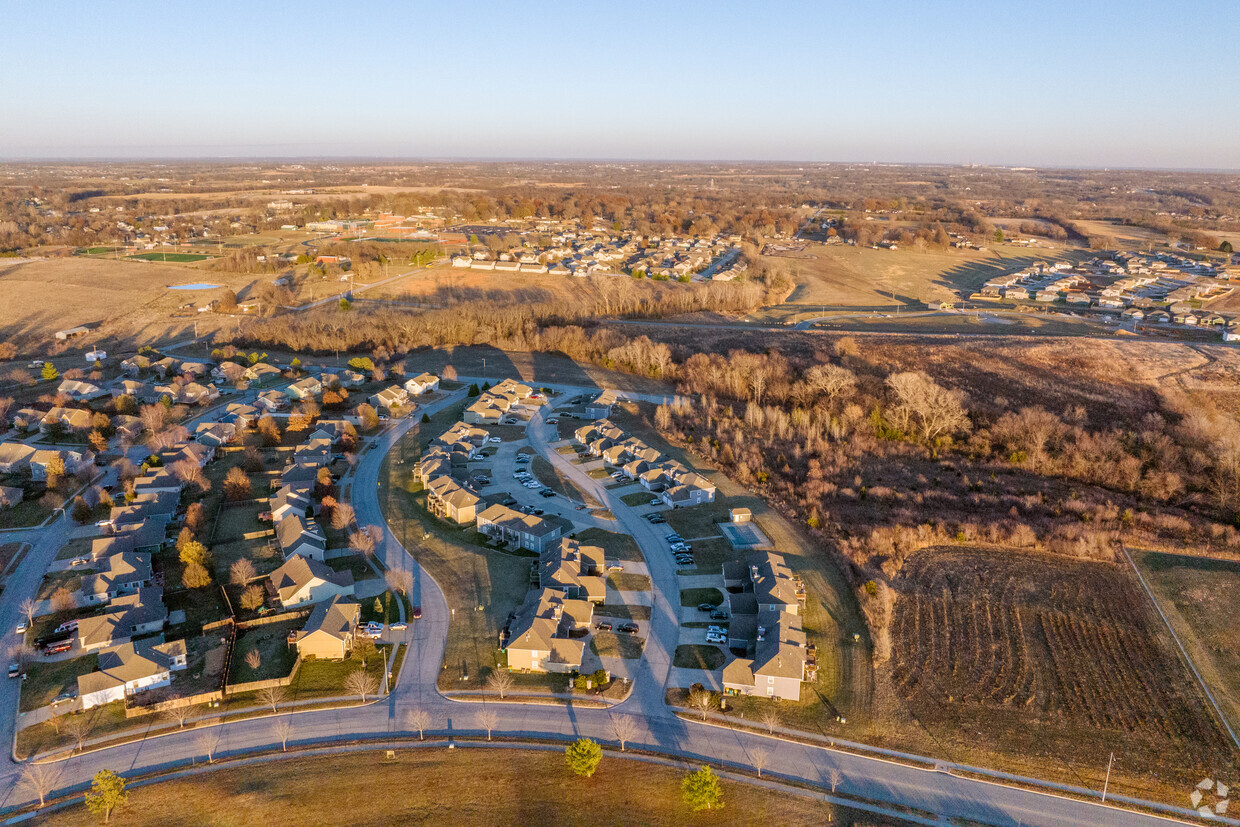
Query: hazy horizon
pixel 1048 85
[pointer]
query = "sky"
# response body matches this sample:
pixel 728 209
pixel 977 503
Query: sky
pixel 1083 83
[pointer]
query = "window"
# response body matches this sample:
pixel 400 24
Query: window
pixel 770 679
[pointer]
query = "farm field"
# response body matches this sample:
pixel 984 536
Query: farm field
pixel 1052 661
pixel 463 787
pixel 1198 596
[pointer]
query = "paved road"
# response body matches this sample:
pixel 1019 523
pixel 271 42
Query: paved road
pixel 656 727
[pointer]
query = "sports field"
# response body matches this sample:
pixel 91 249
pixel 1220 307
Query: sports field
pixel 179 258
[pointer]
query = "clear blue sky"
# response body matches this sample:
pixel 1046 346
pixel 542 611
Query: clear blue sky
pixel 1077 82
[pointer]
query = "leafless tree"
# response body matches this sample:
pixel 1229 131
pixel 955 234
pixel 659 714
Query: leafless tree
pixel 933 410
pixel 400 580
pixel 702 700
pixel 252 598
pixel 771 719
pixel 237 484
pixel 28 608
pixel 242 571
pixel 40 779
pixel 759 758
pixel 190 472
pixel 342 516
pixel 254 658
pixel 624 728
pixel 272 696
pixel 834 776
pixel 500 681
pixel 359 540
pixel 178 713
pixel 487 719
pixel 417 718
pixel 282 728
pixel 78 728
pixel 63 600
pixel 362 684
pixel 209 741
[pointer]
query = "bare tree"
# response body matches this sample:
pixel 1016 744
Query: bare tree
pixel 500 681
pixel 359 540
pixel 361 683
pixel 759 757
pixel 78 728
pixel 40 779
pixel 209 741
pixel 272 696
pixel 62 600
pixel 342 516
pixel 935 411
pixel 254 658
pixel 834 776
pixel 624 728
pixel 400 580
pixel 282 728
pixel 487 719
pixel 417 718
pixel 770 718
pixel 179 714
pixel 28 608
pixel 252 598
pixel 237 484
pixel 190 472
pixel 703 700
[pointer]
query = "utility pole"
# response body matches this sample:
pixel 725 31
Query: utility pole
pixel 1107 783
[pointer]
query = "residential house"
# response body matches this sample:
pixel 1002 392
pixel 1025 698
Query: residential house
pixel 270 401
pixel 308 388
pixel 527 531
pixel 423 383
pixel 10 496
pixel 80 391
pixel 129 616
pixel 70 419
pixel 160 508
pixel 241 415
pixel 351 379
pixel 164 367
pixel 600 406
pixel 539 636
pixel 779 662
pixel 134 365
pixel 27 419
pixel 129 669
pixel 390 400
pixel 158 480
pixel 298 535
pixel 15 457
pixel 74 461
pixel 572 568
pixel 449 500
pixel 261 374
pixel 291 499
pixel 127 427
pixel 125 573
pixel 330 629
pixel 215 434
pixel 303 581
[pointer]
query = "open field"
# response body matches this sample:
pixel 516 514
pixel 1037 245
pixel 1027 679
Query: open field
pixel 1125 236
pixel 1048 659
pixel 461 787
pixel 1198 596
pixel 443 285
pixel 176 258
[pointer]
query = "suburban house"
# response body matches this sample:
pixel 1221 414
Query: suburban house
pixel 131 668
pixel 159 508
pixel 126 573
pixel 74 461
pixel 164 367
pixel 270 401
pixel 308 388
pixel 241 415
pixel 14 457
pixel 71 419
pixel 350 378
pixel 302 581
pixel 80 391
pixel 135 365
pixel 539 636
pixel 297 535
pixel 600 406
pixel 766 624
pixel 423 383
pixel 330 629
pixel 291 499
pixel 574 569
pixel 449 500
pixel 27 419
pixel 129 616
pixel 215 434
pixel 10 496
pixel 261 374
pixel 528 531
pixel 157 480
pixel 390 399
pixel 486 410
pixel 128 427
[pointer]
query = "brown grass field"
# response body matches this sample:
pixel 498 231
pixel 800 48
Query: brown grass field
pixel 461 787
pixel 1136 237
pixel 1057 661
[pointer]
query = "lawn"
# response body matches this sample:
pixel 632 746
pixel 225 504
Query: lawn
pixel 1198 596
pixel 615 546
pixel 694 597
pixel 698 656
pixel 622 611
pixel 271 641
pixel 356 563
pixel 464 787
pixel 71 580
pixel 79 547
pixel 325 678
pixel 30 512
pixel 557 482
pixel 470 575
pixel 382 609
pixel 45 681
pixel 612 645
pixel 8 553
pixel 639 498
pixel 626 582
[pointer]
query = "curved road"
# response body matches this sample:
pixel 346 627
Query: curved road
pixel 657 729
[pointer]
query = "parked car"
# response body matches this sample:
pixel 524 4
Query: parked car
pixel 68 695
pixel 399 626
pixel 547 492
pixel 629 628
pixel 79 561
pixel 22 627
pixel 715 630
pixel 58 648
pixel 67 626
pixel 602 627
pixel 494 439
pixel 656 519
pixel 706 607
pixel 716 638
pixel 553 421
pixel 719 614
pixel 15 670
pixel 655 501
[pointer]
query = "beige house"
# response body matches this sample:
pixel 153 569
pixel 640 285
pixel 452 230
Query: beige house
pixel 449 500
pixel 525 530
pixel 539 635
pixel 140 613
pixel 329 632
pixel 131 668
pixel 574 569
pixel 303 581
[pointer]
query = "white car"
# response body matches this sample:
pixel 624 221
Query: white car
pixel 494 439
pixel 716 639
pixel 22 627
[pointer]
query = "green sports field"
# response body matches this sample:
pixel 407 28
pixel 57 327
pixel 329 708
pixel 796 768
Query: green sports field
pixel 182 258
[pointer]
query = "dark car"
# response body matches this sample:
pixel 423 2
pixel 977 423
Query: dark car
pixel 719 614
pixel 416 613
pixel 547 493
pixel 630 628
pixel 706 607
pixel 603 627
